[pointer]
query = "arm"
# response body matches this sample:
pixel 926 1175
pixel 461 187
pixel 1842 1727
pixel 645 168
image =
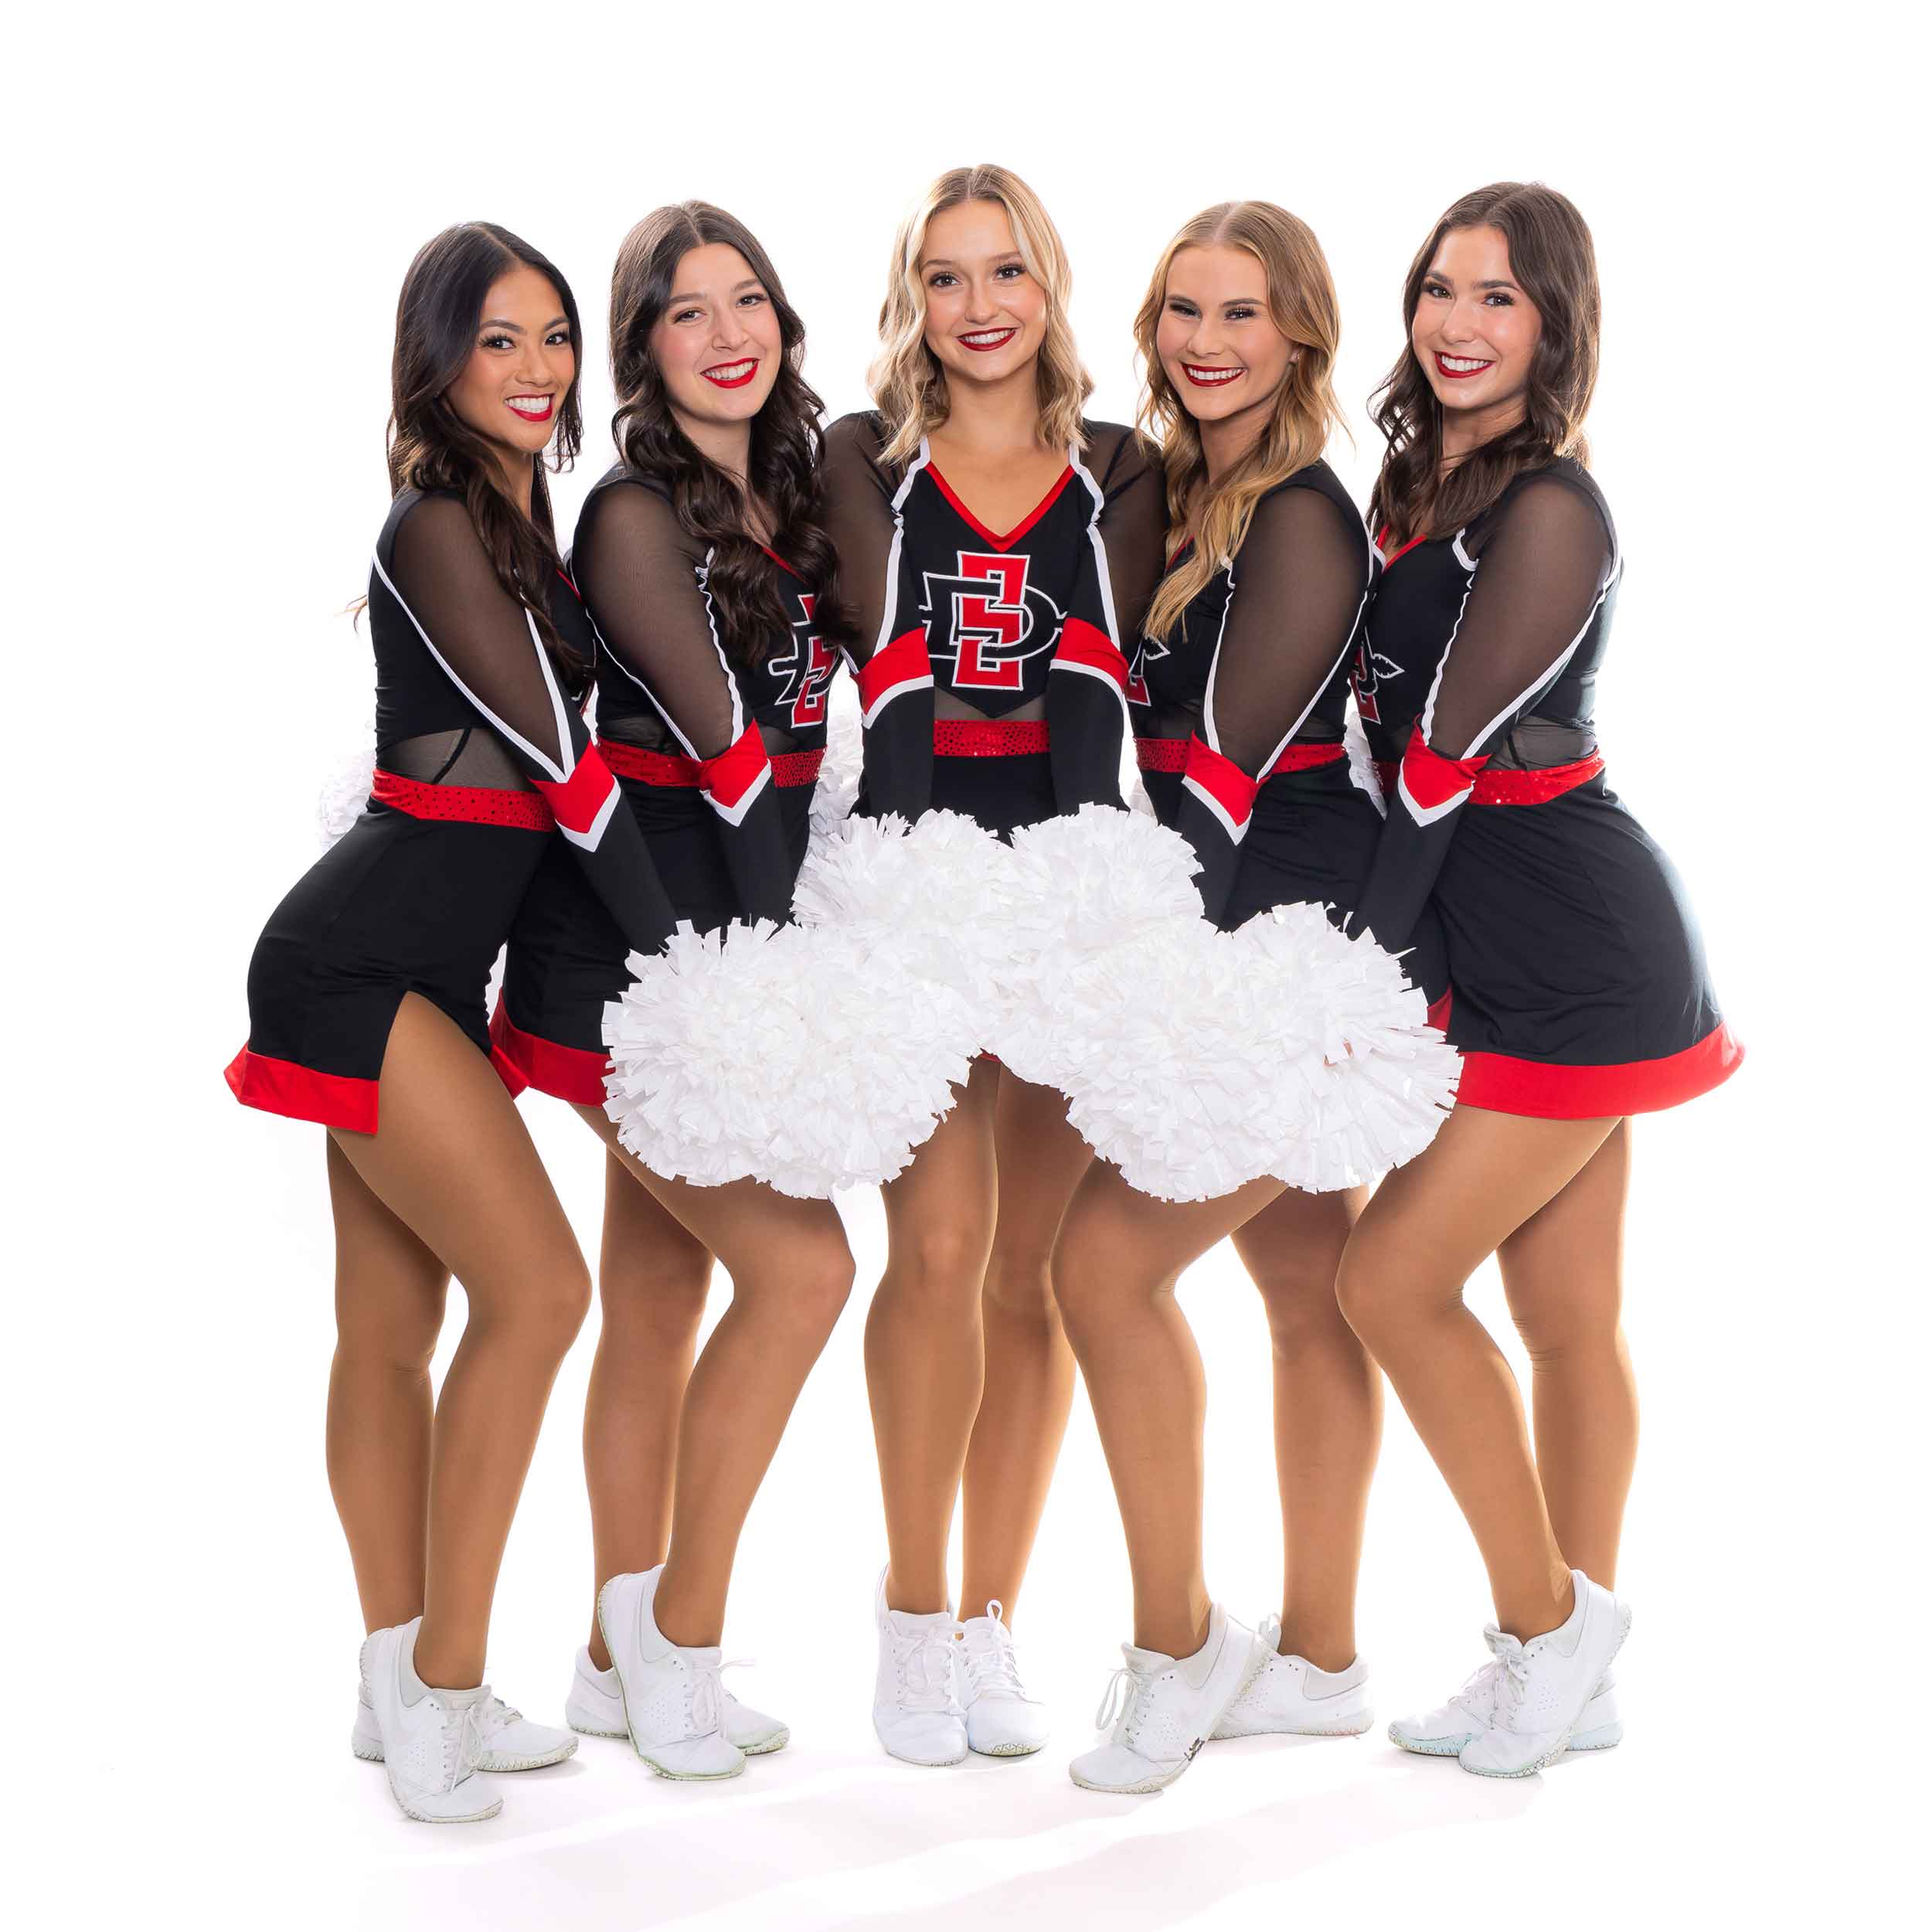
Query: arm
pixel 1299 581
pixel 492 650
pixel 894 674
pixel 642 575
pixel 1533 590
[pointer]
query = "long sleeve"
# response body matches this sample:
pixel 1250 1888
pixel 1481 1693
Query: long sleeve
pixel 894 674
pixel 1297 589
pixel 1087 691
pixel 1534 587
pixel 490 647
pixel 643 576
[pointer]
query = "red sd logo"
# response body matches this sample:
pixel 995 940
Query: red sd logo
pixel 988 619
pixel 806 667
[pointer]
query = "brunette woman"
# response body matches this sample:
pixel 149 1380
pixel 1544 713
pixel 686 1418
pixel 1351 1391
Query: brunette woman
pixel 1240 688
pixel 366 1004
pixel 704 560
pixel 1579 987
pixel 999 548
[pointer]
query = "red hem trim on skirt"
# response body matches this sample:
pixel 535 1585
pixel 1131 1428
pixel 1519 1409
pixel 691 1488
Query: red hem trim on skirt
pixel 1542 1090
pixel 301 1093
pixel 572 1073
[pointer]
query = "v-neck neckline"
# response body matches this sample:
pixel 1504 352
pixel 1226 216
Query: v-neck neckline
pixel 1020 529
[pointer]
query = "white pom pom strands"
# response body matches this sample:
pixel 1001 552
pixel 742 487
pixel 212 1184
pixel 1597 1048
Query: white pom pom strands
pixel 781 1053
pixel 345 795
pixel 837 791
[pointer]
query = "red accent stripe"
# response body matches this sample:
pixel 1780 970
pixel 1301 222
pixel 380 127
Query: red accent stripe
pixel 1306 758
pixel 467 805
pixel 673 768
pixel 281 1087
pixel 1495 788
pixel 901 662
pixel 1542 1090
pixel 580 798
pixel 777 559
pixel 1440 1010
pixel 1222 779
pixel 988 737
pixel 1020 529
pixel 571 1074
pixel 1386 559
pixel 1433 780
pixel 1082 643
pixel 1160 754
pixel 726 778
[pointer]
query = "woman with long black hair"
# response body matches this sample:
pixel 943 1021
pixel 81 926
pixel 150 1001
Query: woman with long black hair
pixel 711 584
pixel 366 1004
pixel 1578 991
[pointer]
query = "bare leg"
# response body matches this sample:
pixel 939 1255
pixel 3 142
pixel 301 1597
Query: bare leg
pixel 1028 1385
pixel 390 1294
pixel 791 1272
pixel 1119 1256
pixel 1428 1228
pixel 452 1162
pixel 1563 1272
pixel 924 1359
pixel 1328 1416
pixel 652 1280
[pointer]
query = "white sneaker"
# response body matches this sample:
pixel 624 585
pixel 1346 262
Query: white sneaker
pixel 1545 1686
pixel 595 1707
pixel 1001 1720
pixel 913 1709
pixel 429 1738
pixel 509 1741
pixel 1290 1695
pixel 1443 1732
pixel 1163 1709
pixel 673 1702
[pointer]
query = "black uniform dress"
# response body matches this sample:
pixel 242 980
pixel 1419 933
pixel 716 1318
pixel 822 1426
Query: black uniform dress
pixel 1577 977
pixel 717 762
pixel 991 677
pixel 1240 716
pixel 482 761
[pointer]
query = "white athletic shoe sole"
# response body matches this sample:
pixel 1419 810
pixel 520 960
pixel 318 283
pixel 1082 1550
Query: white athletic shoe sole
pixel 663 1770
pixel 1563 1743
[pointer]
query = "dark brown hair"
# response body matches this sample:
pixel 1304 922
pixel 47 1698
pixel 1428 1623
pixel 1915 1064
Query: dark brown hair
pixel 431 447
pixel 783 472
pixel 1552 257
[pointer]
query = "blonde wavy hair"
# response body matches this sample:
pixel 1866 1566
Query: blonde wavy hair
pixel 1302 301
pixel 907 382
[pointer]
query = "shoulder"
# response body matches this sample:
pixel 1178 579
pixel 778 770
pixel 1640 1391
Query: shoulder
pixel 1312 505
pixel 1111 446
pixel 1558 502
pixel 861 435
pixel 626 503
pixel 426 526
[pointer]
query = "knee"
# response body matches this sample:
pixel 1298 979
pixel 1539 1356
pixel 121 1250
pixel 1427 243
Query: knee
pixel 401 1338
pixel 656 1300
pixel 548 1309
pixel 1298 1291
pixel 1020 1282
pixel 1556 1330
pixel 947 1257
pixel 818 1283
pixel 1089 1280
pixel 1367 1290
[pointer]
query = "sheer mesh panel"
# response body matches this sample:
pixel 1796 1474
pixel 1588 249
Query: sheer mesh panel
pixel 1133 526
pixel 1298 584
pixel 857 497
pixel 1540 571
pixel 466 757
pixel 1536 744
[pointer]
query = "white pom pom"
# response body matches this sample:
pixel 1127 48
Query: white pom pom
pixel 1197 1061
pixel 833 796
pixel 344 794
pixel 780 1053
pixel 1082 885
pixel 1362 765
pixel 932 898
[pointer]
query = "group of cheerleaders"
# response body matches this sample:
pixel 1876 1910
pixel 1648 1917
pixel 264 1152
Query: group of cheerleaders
pixel 1015 589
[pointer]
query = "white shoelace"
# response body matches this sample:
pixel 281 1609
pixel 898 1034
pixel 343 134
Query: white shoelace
pixel 1124 1698
pixel 709 1697
pixel 462 1745
pixel 1510 1664
pixel 926 1670
pixel 991 1661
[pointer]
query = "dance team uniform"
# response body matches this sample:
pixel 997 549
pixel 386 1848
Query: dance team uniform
pixel 992 681
pixel 1577 977
pixel 1240 716
pixel 482 761
pixel 716 762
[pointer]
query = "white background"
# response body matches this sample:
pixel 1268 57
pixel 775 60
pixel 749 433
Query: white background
pixel 211 213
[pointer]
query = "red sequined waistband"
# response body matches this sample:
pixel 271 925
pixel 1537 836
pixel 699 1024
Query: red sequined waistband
pixel 467 805
pixel 988 737
pixel 670 768
pixel 1170 754
pixel 1519 788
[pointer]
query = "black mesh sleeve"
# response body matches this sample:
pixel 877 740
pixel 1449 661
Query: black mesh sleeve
pixel 893 672
pixel 1541 569
pixel 642 574
pixel 1132 527
pixel 1299 581
pixel 490 648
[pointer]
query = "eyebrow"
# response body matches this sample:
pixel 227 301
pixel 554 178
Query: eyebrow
pixel 1228 301
pixel 736 288
pixel 516 328
pixel 947 261
pixel 1437 275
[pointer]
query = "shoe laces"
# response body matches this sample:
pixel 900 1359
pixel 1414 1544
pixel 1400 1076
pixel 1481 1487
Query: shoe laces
pixel 462 1743
pixel 925 1670
pixel 496 1716
pixel 991 1660
pixel 1511 1664
pixel 706 1696
pixel 1124 1702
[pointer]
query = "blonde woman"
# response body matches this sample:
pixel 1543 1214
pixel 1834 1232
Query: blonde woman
pixel 1239 689
pixel 999 548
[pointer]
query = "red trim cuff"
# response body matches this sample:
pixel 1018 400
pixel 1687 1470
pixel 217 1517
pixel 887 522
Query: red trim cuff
pixel 1542 1090
pixel 569 1073
pixel 301 1093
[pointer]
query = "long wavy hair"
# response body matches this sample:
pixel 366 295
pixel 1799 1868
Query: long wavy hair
pixel 908 383
pixel 783 472
pixel 1301 302
pixel 1552 258
pixel 430 447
